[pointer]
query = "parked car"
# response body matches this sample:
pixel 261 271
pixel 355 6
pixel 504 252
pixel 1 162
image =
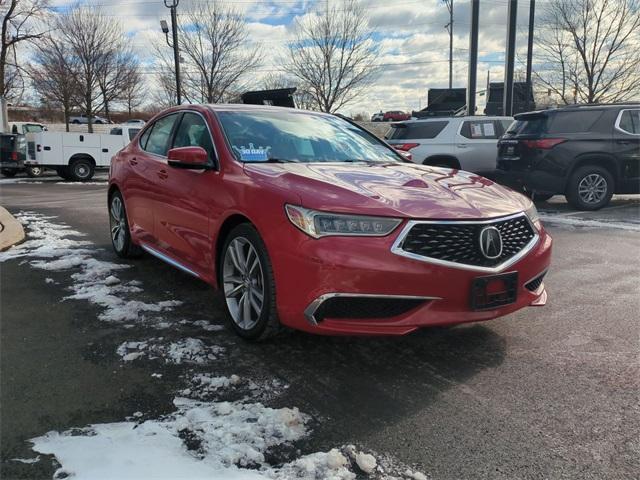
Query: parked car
pixel 14 149
pixel 76 156
pixel 304 219
pixel 585 152
pixel 377 117
pixel 135 121
pixel 83 119
pixel 464 143
pixel 395 116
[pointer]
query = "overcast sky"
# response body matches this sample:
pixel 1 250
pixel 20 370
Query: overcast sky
pixel 410 34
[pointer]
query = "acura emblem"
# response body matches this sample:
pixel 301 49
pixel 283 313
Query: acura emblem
pixel 490 242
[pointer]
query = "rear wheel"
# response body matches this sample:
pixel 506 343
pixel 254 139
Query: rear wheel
pixel 590 188
pixel 9 172
pixel 81 169
pixel 34 171
pixel 246 278
pixel 119 225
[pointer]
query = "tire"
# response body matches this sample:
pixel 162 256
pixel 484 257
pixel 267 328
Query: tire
pixel 63 172
pixel 245 264
pixel 590 188
pixel 35 171
pixel 76 122
pixel 81 170
pixel 9 172
pixel 119 228
pixel 99 122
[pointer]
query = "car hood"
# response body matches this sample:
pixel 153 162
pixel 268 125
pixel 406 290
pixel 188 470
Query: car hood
pixel 391 189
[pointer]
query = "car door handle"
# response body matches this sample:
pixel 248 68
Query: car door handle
pixel 163 175
pixel 624 142
pixel 461 145
pixel 133 161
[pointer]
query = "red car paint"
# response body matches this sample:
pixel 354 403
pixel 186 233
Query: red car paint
pixel 181 214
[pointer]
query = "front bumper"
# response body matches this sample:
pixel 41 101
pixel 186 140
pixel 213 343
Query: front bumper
pixel 359 266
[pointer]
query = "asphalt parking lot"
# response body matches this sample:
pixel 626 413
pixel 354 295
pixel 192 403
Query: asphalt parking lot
pixel 544 393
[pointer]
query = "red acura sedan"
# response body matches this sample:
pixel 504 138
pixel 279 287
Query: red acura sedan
pixel 305 220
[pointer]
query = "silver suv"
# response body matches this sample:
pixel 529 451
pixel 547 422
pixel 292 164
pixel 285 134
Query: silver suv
pixel 465 143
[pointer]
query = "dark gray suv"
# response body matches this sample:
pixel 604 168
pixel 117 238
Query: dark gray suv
pixel 585 152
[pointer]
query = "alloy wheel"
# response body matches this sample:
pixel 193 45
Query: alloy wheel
pixel 592 189
pixel 243 283
pixel 118 223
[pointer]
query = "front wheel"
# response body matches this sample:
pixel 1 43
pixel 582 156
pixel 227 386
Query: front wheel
pixel 247 281
pixel 119 226
pixel 34 171
pixel 590 188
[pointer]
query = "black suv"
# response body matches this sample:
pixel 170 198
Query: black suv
pixel 586 152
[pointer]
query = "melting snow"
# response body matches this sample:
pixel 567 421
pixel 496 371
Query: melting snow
pixel 54 247
pixel 188 350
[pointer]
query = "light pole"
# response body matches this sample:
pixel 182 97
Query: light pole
pixel 173 5
pixel 449 27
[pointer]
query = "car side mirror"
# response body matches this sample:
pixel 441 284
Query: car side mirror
pixel 195 158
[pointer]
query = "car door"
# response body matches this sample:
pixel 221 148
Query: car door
pixel 146 163
pixel 476 145
pixel 187 199
pixel 626 148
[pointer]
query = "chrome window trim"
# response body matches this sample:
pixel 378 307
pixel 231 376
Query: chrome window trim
pixel 619 118
pixel 168 260
pixel 312 308
pixel 397 245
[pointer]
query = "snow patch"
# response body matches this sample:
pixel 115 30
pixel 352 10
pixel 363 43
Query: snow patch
pixel 580 222
pixel 205 325
pixel 53 247
pixel 188 350
pixel 200 440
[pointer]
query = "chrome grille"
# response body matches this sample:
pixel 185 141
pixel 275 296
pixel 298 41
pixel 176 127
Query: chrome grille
pixel 459 242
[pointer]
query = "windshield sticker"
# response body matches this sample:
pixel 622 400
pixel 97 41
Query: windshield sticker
pixel 253 154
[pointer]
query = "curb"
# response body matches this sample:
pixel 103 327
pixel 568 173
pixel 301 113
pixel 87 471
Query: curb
pixel 11 231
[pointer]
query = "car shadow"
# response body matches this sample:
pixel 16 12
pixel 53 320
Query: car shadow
pixel 365 383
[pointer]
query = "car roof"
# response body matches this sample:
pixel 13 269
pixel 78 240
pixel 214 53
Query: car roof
pixel 470 117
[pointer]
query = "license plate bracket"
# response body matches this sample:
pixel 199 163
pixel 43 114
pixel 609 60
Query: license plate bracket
pixel 493 291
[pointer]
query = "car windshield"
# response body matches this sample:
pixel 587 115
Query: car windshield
pixel 283 136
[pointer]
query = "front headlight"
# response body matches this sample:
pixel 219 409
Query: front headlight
pixel 534 217
pixel 322 224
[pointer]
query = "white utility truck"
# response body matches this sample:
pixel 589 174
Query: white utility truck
pixel 76 156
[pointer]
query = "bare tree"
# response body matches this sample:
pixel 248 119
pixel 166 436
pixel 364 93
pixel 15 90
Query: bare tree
pixel 133 91
pixel 118 74
pixel 588 51
pixel 333 55
pixel 95 42
pixel 19 25
pixel 214 40
pixel 54 74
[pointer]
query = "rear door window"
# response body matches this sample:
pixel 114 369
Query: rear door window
pixel 630 121
pixel 579 121
pixel 418 130
pixel 158 140
pixel 479 130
